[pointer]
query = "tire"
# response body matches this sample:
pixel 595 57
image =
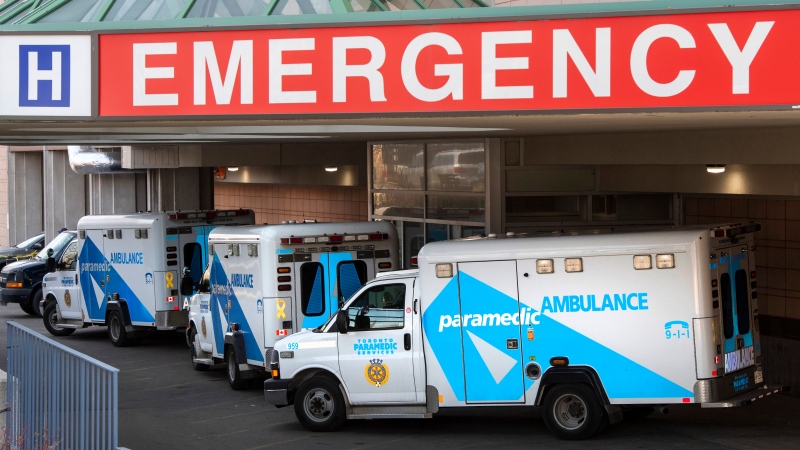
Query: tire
pixel 116 330
pixel 50 317
pixel 35 301
pixel 197 366
pixel 319 404
pixel 573 412
pixel 232 371
pixel 26 307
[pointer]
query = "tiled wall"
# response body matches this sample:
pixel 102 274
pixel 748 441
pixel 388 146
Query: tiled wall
pixel 777 245
pixel 274 204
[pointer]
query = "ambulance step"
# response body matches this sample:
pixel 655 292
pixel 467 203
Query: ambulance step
pixel 389 412
pixel 206 361
pixel 747 398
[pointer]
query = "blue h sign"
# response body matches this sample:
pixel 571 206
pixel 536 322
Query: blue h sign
pixel 44 75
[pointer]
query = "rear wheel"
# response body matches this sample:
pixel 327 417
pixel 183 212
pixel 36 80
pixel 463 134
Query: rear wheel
pixel 319 404
pixel 51 321
pixel 197 366
pixel 116 330
pixel 573 412
pixel 234 374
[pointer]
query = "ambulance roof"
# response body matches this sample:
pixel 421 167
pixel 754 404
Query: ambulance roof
pixel 121 220
pixel 562 245
pixel 258 232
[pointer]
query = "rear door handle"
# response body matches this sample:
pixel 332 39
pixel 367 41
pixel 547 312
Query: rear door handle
pixel 407 341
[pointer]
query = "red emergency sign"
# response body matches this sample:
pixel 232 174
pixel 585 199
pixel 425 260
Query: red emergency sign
pixel 736 59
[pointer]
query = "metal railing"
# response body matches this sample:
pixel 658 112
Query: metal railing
pixel 58 397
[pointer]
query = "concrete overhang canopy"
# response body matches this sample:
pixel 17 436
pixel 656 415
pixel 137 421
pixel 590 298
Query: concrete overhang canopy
pixel 100 17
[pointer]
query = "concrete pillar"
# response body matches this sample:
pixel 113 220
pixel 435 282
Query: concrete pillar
pixel 64 193
pixel 25 198
pixel 117 193
pixel 188 188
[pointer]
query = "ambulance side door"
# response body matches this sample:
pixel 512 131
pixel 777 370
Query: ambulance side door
pixel 65 283
pixel 378 354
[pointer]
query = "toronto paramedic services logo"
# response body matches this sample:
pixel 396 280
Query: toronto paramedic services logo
pixel 46 75
pixel 376 372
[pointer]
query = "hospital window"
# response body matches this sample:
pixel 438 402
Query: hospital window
pixel 312 289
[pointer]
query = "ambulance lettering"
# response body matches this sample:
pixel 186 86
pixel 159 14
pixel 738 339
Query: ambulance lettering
pixel 126 258
pixel 242 280
pixel 590 303
pixel 529 317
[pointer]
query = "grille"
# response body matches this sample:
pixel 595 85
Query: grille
pixel 172 319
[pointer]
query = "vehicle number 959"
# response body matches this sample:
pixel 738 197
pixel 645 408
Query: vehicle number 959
pixel 292 346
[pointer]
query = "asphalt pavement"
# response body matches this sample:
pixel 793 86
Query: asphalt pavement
pixel 165 404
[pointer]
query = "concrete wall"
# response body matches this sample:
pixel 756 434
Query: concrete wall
pixel 64 193
pixel 25 194
pixel 4 242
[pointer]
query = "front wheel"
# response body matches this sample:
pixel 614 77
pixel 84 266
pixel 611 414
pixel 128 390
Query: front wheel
pixel 573 412
pixel 196 365
pixel 116 330
pixel 319 404
pixel 234 374
pixel 51 321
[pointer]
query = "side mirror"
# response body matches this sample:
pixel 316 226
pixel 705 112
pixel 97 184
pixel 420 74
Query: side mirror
pixel 50 263
pixel 341 321
pixel 49 252
pixel 187 286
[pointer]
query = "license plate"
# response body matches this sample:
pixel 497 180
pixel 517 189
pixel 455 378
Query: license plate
pixel 758 376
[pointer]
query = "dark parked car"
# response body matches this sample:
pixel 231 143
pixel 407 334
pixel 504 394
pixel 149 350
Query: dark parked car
pixel 24 250
pixel 21 281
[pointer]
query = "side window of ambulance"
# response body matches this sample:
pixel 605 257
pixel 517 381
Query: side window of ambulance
pixel 70 257
pixel 742 303
pixel 351 275
pixel 378 308
pixel 727 305
pixel 193 259
pixel 312 292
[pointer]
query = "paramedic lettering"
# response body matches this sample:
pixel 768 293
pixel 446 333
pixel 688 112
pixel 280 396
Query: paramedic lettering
pixel 586 303
pixel 528 315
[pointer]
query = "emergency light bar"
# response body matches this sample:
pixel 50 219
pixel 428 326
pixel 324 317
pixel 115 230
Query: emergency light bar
pixel 734 231
pixel 334 239
pixel 208 214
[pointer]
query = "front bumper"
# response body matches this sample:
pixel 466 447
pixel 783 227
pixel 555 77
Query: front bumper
pixel 276 392
pixel 14 295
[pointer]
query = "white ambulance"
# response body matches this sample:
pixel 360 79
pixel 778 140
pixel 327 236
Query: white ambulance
pixel 586 326
pixel 124 271
pixel 266 282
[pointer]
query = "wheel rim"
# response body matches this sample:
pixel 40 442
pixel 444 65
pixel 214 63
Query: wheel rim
pixel 231 367
pixel 53 320
pixel 114 328
pixel 318 405
pixel 569 411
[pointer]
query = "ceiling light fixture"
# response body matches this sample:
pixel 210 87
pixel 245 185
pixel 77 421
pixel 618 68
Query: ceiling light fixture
pixel 233 168
pixel 331 168
pixel 715 168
